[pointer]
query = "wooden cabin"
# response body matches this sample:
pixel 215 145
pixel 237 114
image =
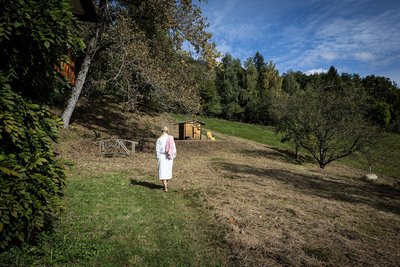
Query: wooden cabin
pixel 84 10
pixel 190 129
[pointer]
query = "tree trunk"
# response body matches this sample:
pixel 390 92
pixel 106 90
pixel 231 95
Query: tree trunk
pixel 77 88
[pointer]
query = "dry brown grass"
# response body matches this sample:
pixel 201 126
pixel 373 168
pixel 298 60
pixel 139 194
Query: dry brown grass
pixel 278 213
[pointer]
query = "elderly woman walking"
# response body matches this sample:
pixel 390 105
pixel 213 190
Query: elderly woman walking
pixel 166 152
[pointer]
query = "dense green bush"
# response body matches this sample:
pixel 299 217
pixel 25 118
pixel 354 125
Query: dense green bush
pixel 31 176
pixel 35 36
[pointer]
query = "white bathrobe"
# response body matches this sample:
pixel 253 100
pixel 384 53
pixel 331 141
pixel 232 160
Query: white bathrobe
pixel 164 162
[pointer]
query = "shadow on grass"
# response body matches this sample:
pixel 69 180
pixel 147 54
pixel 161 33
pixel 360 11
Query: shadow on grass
pixel 277 154
pixel 381 197
pixel 146 184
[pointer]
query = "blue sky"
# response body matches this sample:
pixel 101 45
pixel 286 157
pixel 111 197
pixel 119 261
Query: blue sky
pixel 355 36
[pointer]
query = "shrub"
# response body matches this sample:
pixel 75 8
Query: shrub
pixel 31 177
pixel 35 36
pixel 380 114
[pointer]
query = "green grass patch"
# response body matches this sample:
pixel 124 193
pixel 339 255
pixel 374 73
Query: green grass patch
pixel 384 158
pixel 117 220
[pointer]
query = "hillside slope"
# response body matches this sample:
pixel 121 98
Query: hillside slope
pixel 276 212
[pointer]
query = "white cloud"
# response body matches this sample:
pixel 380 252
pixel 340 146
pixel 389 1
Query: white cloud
pixel 315 71
pixel 364 56
pixel 242 32
pixel 356 36
pixel 374 40
pixel 328 55
pixel 224 48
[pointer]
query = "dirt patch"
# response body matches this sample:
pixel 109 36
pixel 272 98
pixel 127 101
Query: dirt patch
pixel 278 212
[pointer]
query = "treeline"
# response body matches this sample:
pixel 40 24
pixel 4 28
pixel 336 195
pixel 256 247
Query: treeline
pixel 250 92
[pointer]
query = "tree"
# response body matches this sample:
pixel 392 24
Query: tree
pixel 272 91
pixel 143 40
pixel 380 114
pixel 260 64
pixel 290 83
pixel 269 85
pixel 332 75
pixel 230 86
pixel 211 102
pixel 329 124
pixel 382 90
pixel 251 99
pixel 91 49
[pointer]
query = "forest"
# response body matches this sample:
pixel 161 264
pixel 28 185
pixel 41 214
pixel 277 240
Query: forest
pixel 136 51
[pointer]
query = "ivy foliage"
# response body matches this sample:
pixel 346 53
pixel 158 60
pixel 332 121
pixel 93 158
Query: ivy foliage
pixel 31 177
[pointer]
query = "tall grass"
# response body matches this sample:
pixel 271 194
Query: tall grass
pixel 115 220
pixel 384 157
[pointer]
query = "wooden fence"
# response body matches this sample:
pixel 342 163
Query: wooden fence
pixel 116 147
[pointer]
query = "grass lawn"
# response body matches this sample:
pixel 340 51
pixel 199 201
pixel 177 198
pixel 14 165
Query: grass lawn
pixel 385 155
pixel 114 220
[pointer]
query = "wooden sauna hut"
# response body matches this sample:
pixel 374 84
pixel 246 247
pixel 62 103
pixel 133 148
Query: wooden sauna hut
pixel 190 129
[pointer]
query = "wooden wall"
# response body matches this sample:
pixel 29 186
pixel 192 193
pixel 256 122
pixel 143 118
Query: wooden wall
pixel 190 131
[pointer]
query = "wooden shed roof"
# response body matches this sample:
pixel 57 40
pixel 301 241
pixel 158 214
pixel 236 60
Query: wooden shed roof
pixel 191 121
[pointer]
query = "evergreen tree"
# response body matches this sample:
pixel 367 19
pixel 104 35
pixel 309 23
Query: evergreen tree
pixel 230 86
pixel 260 67
pixel 211 105
pixel 272 87
pixel 290 83
pixel 269 85
pixel 251 97
pixel 330 80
